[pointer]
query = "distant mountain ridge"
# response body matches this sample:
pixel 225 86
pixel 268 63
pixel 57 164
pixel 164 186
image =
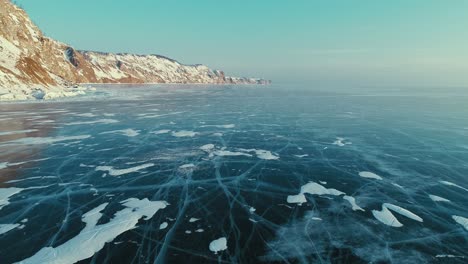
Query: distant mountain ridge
pixel 30 60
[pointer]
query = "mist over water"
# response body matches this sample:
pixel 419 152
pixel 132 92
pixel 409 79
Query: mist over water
pixel 286 174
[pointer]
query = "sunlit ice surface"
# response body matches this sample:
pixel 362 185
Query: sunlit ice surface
pixel 245 174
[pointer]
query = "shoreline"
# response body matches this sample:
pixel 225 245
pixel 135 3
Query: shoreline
pixel 87 90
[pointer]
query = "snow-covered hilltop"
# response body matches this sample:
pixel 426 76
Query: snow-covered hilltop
pixel 35 66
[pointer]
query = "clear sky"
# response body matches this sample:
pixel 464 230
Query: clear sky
pixel 405 42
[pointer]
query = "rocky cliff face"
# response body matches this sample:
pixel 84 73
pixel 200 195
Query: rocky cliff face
pixel 29 60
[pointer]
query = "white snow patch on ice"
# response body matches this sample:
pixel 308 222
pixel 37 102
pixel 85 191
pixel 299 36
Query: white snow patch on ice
pixel 193 219
pixel 221 126
pixel 386 217
pixel 262 154
pixel 448 256
pixel 85 115
pixel 461 220
pixel 33 178
pixel 7 133
pixel 314 189
pixel 187 166
pixel 6 193
pixel 223 153
pixel 93 237
pixel 125 132
pixel 369 175
pixel 5 228
pixel 162 131
pixel 340 142
pixel 436 198
pixel 352 201
pixel 164 225
pixel 44 140
pixel 219 244
pixel 184 133
pixel 99 121
pixel 453 184
pixel 118 172
pixel 403 211
pixel 207 147
pixel 299 199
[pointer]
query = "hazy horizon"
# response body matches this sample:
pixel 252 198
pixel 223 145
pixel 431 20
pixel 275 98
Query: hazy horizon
pixel 367 43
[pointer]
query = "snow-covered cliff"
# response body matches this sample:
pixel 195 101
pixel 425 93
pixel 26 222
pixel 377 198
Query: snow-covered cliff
pixel 31 64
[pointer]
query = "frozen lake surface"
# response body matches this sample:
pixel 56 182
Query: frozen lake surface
pixel 246 174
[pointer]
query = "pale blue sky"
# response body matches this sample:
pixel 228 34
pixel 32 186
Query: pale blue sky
pixel 405 42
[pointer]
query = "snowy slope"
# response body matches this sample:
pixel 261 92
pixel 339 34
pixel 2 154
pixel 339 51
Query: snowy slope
pixel 31 61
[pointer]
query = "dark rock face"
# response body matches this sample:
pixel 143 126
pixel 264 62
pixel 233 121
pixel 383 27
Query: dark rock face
pixel 70 53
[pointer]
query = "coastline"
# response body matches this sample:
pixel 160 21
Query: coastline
pixel 41 93
pixel 87 90
pixel 34 66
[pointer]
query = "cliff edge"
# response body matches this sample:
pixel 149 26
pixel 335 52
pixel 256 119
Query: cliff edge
pixel 35 66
